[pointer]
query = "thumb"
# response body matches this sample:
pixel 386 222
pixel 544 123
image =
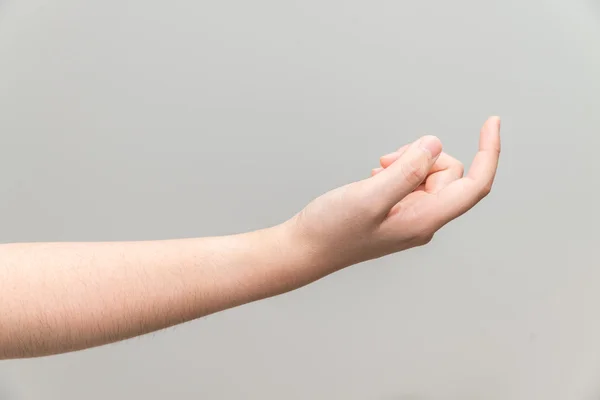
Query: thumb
pixel 408 172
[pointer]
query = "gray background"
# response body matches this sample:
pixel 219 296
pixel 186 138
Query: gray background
pixel 124 120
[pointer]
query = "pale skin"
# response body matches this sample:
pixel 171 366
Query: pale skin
pixel 62 297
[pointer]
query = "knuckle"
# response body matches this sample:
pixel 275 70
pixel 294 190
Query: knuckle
pixel 413 171
pixel 424 234
pixel 425 239
pixel 486 189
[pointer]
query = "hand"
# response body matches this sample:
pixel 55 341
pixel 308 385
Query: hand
pixel 417 191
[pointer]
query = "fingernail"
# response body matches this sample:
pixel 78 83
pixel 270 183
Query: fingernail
pixel 432 144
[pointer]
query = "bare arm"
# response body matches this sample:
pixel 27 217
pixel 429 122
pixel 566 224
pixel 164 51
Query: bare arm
pixel 61 297
pixel 58 297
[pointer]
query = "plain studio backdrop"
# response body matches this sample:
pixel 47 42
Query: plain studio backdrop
pixel 134 120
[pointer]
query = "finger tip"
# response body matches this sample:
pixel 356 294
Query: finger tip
pixel 495 120
pixel 388 159
pixel 490 134
pixel 433 144
pixel 491 126
pixel 431 139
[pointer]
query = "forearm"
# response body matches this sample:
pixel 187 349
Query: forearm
pixel 61 297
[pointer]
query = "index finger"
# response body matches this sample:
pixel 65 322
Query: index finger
pixel 463 194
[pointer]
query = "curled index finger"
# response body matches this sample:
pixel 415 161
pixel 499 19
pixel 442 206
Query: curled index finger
pixel 463 194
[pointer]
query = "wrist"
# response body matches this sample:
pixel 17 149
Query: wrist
pixel 312 256
pixel 282 258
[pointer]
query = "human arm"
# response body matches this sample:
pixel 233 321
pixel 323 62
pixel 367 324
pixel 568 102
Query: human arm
pixel 60 297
